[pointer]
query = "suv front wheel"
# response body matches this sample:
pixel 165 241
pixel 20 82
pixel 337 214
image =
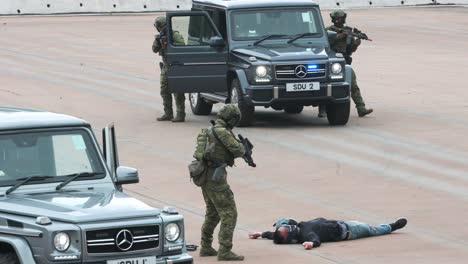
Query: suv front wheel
pixel 8 258
pixel 247 111
pixel 199 105
pixel 338 114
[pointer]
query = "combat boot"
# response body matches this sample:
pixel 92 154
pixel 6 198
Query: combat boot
pixel 180 117
pixel 364 111
pixel 208 252
pixel 398 224
pixel 230 256
pixel 165 117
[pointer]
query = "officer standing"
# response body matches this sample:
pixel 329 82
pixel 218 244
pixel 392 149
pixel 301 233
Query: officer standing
pixel 222 148
pixel 160 46
pixel 347 45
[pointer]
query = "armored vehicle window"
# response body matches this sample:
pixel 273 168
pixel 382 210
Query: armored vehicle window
pixel 255 24
pixel 46 154
pixel 196 29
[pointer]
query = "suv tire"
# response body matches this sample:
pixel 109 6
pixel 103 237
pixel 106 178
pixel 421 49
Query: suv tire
pixel 199 105
pixel 247 111
pixel 9 258
pixel 297 109
pixel 338 114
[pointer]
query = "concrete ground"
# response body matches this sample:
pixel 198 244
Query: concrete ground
pixel 409 158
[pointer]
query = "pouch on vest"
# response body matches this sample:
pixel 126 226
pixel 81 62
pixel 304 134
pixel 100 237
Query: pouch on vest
pixel 197 172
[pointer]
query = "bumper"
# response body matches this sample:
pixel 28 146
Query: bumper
pixel 277 96
pixel 182 258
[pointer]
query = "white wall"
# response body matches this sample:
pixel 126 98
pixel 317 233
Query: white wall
pixel 13 7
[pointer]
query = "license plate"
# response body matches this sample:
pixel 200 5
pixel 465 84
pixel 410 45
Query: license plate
pixel 304 86
pixel 145 260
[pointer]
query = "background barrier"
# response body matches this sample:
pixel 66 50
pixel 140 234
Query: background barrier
pixel 18 7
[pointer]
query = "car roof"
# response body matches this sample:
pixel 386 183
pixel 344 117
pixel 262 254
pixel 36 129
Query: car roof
pixel 12 118
pixel 238 4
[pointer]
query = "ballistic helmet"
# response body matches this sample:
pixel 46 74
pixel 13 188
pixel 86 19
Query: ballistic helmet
pixel 231 114
pixel 160 23
pixel 338 14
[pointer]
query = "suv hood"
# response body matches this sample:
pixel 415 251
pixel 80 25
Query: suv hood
pixel 284 52
pixel 78 206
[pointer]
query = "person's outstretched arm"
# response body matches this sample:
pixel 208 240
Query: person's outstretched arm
pixel 266 234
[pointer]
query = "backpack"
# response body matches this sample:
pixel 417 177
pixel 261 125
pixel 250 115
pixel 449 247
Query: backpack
pixel 198 167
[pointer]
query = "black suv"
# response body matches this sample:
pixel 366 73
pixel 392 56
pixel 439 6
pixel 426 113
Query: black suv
pixel 257 53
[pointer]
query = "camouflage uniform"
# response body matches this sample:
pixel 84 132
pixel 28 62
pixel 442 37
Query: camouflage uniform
pixel 160 46
pixel 340 45
pixel 219 199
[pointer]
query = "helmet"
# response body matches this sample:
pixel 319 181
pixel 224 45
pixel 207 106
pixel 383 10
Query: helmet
pixel 338 14
pixel 160 23
pixel 231 114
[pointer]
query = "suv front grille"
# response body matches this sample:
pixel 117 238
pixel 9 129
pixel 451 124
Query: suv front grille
pixel 300 71
pixel 125 239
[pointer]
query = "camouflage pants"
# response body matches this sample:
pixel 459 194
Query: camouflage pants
pixel 167 96
pixel 356 93
pixel 220 206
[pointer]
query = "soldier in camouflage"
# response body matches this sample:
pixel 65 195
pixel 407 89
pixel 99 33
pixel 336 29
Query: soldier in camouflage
pixel 222 148
pixel 347 47
pixel 160 46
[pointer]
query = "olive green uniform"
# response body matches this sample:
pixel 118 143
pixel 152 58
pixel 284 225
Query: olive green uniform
pixel 161 48
pixel 219 199
pixel 339 45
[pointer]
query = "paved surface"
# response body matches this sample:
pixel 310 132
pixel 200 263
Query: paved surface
pixel 408 159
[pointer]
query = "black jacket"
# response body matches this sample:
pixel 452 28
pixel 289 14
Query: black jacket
pixel 317 231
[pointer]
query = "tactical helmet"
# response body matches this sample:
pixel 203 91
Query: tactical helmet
pixel 231 114
pixel 160 22
pixel 338 14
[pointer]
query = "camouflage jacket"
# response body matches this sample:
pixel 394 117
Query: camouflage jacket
pixel 227 148
pixel 160 44
pixel 339 45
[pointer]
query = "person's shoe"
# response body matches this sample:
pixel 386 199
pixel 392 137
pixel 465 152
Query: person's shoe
pixel 365 112
pixel 208 252
pixel 179 118
pixel 230 256
pixel 398 224
pixel 165 117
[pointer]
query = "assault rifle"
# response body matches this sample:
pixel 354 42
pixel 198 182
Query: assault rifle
pixel 356 33
pixel 248 151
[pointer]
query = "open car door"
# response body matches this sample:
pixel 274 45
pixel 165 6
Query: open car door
pixel 110 149
pixel 196 53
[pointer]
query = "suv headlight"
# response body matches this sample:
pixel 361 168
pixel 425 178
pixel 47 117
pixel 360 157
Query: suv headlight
pixel 336 68
pixel 172 232
pixel 261 71
pixel 62 241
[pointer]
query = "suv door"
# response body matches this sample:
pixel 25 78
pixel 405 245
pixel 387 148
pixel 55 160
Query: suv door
pixel 110 149
pixel 199 62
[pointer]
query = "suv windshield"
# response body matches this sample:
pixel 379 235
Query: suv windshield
pixel 52 153
pixel 256 24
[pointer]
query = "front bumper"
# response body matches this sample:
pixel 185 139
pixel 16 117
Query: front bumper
pixel 182 258
pixel 277 96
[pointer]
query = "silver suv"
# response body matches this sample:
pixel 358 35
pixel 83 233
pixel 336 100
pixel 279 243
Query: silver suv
pixel 61 198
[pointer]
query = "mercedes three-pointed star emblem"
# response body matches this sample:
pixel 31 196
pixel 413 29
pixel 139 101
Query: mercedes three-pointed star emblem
pixel 300 71
pixel 124 240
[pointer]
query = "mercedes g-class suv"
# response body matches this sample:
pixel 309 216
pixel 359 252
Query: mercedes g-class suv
pixel 271 53
pixel 61 198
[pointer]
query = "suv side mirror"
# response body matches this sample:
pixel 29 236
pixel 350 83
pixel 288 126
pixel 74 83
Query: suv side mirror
pixel 126 175
pixel 217 42
pixel 331 36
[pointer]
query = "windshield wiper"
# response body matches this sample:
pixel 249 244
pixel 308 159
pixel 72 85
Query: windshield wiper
pixel 268 37
pixel 75 176
pixel 26 180
pixel 301 36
